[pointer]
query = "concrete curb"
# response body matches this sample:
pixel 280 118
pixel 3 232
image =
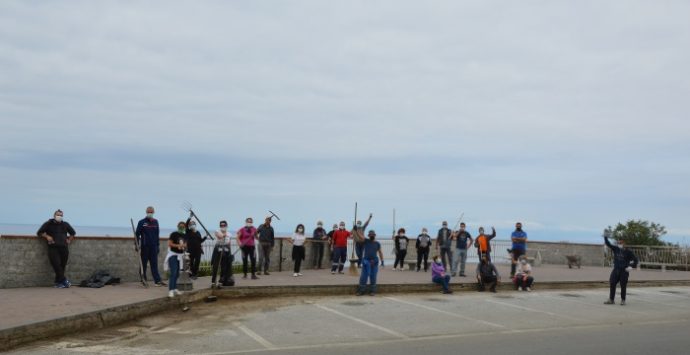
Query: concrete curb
pixel 13 337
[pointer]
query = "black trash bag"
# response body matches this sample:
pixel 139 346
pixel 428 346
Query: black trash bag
pixel 99 279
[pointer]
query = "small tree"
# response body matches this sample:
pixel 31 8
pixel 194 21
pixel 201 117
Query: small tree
pixel 637 232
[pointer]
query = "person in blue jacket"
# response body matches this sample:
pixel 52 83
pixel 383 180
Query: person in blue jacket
pixel 624 261
pixel 519 247
pixel 371 256
pixel 148 235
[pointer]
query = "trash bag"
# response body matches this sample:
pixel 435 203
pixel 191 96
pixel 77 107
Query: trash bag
pixel 99 279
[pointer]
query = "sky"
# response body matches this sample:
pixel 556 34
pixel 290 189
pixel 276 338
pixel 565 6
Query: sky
pixel 567 116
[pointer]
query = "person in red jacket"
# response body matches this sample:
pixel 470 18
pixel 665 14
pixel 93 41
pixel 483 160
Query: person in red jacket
pixel 339 248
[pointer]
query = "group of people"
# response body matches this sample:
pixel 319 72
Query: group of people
pixel 187 241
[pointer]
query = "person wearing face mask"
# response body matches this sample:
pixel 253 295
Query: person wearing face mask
pixel 266 244
pixel 463 240
pixel 245 239
pixel 438 275
pixel 174 260
pixel 298 251
pixel 422 245
pixel 318 239
pixel 359 229
pixel 519 247
pixel 624 261
pixel 340 238
pixel 194 240
pixel 330 241
pixel 401 242
pixel 483 243
pixel 487 275
pixel 148 235
pixel 523 278
pixel 59 234
pixel 222 257
pixel 371 256
pixel 443 245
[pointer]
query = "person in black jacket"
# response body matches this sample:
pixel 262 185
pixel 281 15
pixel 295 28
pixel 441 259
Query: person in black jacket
pixel 422 245
pixel 194 241
pixel 624 261
pixel 56 232
pixel 401 242
pixel 266 244
pixel 319 239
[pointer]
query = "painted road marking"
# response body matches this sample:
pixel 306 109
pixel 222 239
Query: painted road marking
pixel 365 343
pixel 372 325
pixel 661 294
pixel 593 304
pixel 448 313
pixel 259 339
pixel 535 310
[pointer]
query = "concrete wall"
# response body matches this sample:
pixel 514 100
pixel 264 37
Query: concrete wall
pixel 24 259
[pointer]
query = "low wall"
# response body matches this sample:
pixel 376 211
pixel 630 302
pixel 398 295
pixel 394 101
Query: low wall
pixel 24 259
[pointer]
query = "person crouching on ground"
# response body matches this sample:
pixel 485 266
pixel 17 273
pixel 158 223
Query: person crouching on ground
pixel 298 252
pixel 401 242
pixel 438 275
pixel 423 244
pixel 487 275
pixel 222 257
pixel 59 234
pixel 371 252
pixel 175 258
pixel 624 261
pixel 523 276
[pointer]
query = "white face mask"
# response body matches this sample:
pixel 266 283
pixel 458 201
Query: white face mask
pixel 249 224
pixel 300 230
pixel 341 227
pixel 58 218
pixel 149 215
pixel 192 227
pixel 223 229
pixel 437 261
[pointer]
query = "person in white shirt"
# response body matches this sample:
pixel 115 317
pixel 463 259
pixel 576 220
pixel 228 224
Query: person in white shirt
pixel 523 276
pixel 222 257
pixel 297 241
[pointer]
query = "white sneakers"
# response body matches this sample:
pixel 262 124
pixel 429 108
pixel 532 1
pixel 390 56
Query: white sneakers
pixel 299 274
pixel 173 293
pixel 529 289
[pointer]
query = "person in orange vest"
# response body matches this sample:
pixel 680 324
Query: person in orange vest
pixel 483 243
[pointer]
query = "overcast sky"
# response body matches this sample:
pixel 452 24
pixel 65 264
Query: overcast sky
pixel 568 116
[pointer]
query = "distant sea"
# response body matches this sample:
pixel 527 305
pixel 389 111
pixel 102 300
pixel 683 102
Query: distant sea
pixel 536 235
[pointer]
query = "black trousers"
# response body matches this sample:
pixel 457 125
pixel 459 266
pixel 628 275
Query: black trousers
pixel 487 281
pixel 223 260
pixel 422 253
pixel 618 275
pixel 317 254
pixel 266 249
pixel 297 256
pixel 58 256
pixel 248 252
pixel 400 258
pixel 194 261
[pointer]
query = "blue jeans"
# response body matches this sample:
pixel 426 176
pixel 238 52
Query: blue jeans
pixel 443 281
pixel 359 250
pixel 370 268
pixel 150 255
pixel 461 258
pixel 174 265
pixel 339 257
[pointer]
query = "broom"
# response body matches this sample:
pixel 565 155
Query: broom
pixel 353 261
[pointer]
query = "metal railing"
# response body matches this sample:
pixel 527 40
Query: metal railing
pixel 663 256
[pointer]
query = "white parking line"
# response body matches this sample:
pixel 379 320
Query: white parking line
pixel 626 309
pixel 661 294
pixel 536 310
pixel 259 339
pixel 372 325
pixel 448 313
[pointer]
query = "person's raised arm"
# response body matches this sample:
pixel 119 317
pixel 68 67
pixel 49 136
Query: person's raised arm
pixel 608 243
pixel 367 222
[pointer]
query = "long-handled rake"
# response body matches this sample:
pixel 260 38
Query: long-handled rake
pixel 187 206
pixel 353 262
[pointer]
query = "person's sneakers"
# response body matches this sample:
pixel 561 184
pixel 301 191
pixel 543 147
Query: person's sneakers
pixel 177 292
pixel 609 301
pixel 295 275
pixel 68 283
pixel 519 289
pixel 266 273
pixel 254 277
pixel 213 285
pixel 340 272
pixel 332 272
pixel 417 270
pixel 453 275
pixel 622 302
pixel 493 289
pixel 300 274
pixel 171 293
pixel 244 277
pixel 462 275
pixel 60 285
pixel 359 293
pixel 529 289
pixel 448 292
pixel 372 294
pixel 161 284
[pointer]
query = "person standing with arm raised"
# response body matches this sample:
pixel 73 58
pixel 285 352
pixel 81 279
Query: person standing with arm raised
pixel 372 255
pixel 359 230
pixel 59 234
pixel 148 234
pixel 624 261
